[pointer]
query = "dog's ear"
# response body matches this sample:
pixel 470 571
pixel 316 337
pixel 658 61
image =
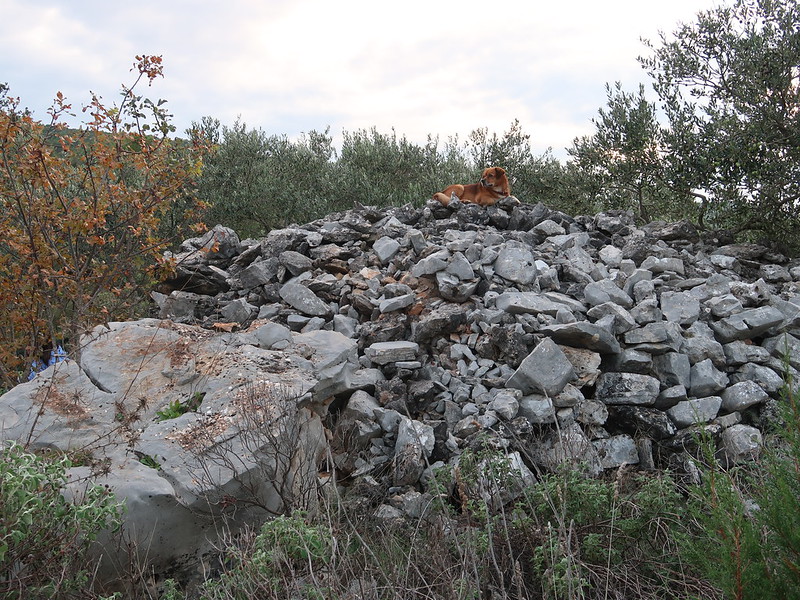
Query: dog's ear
pixel 499 171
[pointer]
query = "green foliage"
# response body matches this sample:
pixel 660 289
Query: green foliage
pixel 43 536
pixel 629 525
pixel 625 158
pixel 730 87
pixel 254 182
pixel 176 408
pixel 286 550
pixel 746 520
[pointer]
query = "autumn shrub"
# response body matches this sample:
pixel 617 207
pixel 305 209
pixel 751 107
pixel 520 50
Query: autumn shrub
pixel 85 213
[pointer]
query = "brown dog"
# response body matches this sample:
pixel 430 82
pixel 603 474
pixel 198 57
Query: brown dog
pixel 492 186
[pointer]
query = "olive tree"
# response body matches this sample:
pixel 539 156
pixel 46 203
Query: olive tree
pixel 729 84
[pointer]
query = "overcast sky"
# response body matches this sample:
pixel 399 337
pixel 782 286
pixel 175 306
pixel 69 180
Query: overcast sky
pixel 290 66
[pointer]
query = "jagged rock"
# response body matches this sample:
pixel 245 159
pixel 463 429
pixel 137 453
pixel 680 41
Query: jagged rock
pixel 706 379
pixel 382 353
pixel 546 370
pixel 741 443
pixel 695 411
pixel 747 325
pixel 527 302
pixel 583 334
pixel 627 388
pixel 516 263
pixel 651 422
pixel 537 409
pixel 605 290
pixel 108 407
pixel 567 447
pixel 303 299
pixel 494 484
pixel 616 451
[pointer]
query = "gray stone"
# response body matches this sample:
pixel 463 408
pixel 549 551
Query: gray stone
pixel 741 396
pixel 496 484
pixel 747 324
pixel 347 326
pixel 567 447
pixel 591 412
pixel 271 333
pixel 415 442
pixel 239 311
pixel 431 264
pixel 453 289
pixel 724 306
pixel 396 303
pixel 385 249
pixel 605 290
pixel 258 273
pixel 741 443
pixel 739 353
pixel 661 333
pixel 537 409
pixel 695 411
pixel 770 381
pixel 611 256
pixel 649 422
pixel 627 388
pixel 671 396
pixel 662 265
pixel 303 299
pixel 680 307
pixel 623 320
pixel 784 346
pixel 631 361
pixel 382 353
pixel 673 368
pixel 527 303
pixel 295 262
pixel 616 451
pixel 460 267
pixel 515 263
pixel 505 404
pixel 545 370
pixel 71 406
pixel 585 363
pixel 583 334
pixel 700 344
pixel 706 379
pixel 360 407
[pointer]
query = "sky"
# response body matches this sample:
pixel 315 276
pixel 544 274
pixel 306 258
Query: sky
pixel 417 67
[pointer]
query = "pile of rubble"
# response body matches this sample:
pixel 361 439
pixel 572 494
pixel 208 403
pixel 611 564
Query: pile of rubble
pixel 584 339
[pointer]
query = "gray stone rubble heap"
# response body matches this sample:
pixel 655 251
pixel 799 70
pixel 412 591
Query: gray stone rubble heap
pixel 586 338
pixel 401 337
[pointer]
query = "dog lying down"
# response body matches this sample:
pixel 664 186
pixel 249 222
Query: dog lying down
pixel 492 187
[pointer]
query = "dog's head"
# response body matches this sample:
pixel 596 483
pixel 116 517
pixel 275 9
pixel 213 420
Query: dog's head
pixel 495 178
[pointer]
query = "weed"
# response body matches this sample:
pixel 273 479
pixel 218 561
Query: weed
pixel 176 408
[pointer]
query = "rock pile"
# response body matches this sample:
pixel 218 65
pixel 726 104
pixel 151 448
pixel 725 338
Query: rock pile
pixel 586 339
pixel 390 341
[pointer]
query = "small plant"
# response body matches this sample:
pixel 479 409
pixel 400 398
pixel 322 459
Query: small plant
pixel 285 557
pixel 43 536
pixel 176 408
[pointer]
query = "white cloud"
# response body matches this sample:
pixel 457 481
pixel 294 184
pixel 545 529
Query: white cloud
pixel 421 66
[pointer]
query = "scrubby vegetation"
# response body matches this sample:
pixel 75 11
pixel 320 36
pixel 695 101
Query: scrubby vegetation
pixel 88 212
